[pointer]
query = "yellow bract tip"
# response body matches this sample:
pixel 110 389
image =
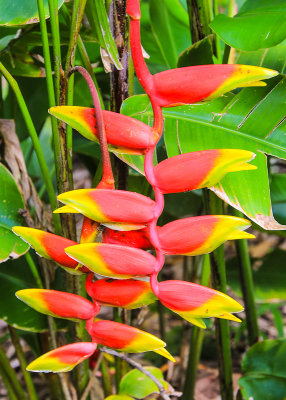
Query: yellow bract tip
pixel 163 352
pixel 66 209
pixel 229 316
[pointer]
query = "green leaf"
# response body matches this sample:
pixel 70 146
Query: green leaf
pixel 21 12
pixel 119 397
pixel 200 53
pixel 97 17
pixel 264 370
pixel 269 278
pixel 278 196
pixel 154 42
pixel 11 201
pixel 259 24
pixel 19 62
pixel 15 275
pixel 138 385
pixel 273 57
pixel 161 18
pixel 231 121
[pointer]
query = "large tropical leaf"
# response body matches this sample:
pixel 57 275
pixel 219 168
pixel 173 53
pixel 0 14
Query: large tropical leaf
pixel 259 24
pixel 253 120
pixel 11 201
pixel 264 370
pixel 21 12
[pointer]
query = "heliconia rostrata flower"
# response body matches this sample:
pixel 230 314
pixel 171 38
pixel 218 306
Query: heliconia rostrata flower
pixel 130 219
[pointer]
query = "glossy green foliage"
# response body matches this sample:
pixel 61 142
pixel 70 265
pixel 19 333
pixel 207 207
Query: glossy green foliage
pixel 97 17
pixel 264 371
pixel 22 12
pixel 138 385
pixel 200 53
pixel 231 121
pixel 268 277
pixel 278 196
pixel 15 275
pixel 11 201
pixel 259 24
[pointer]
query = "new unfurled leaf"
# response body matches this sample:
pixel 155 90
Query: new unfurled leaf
pixel 200 169
pixel 127 293
pixel 125 338
pixel 50 246
pixel 118 209
pixel 63 359
pixel 123 134
pixel 58 304
pixel 113 260
pixel 194 302
pixel 201 235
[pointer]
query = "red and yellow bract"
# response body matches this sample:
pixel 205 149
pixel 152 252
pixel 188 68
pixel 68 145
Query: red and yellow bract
pixel 194 302
pixel 50 246
pixel 201 235
pixel 125 338
pixel 58 304
pixel 127 293
pixel 199 169
pixel 138 239
pixel 124 134
pixel 188 85
pixel 64 358
pixel 113 260
pixel 118 209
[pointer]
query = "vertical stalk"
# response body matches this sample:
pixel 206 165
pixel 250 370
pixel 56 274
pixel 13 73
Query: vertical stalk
pixel 197 337
pixel 11 376
pixel 34 270
pixel 214 206
pixel 247 286
pixel 119 84
pixel 199 16
pixel 49 79
pixel 7 384
pixel 54 20
pixel 23 364
pixel 35 140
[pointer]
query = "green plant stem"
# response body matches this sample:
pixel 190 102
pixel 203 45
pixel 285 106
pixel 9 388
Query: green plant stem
pixel 83 54
pixel 246 281
pixel 23 364
pixel 214 206
pixel 199 17
pixel 197 337
pixel 106 378
pixel 50 86
pixel 35 140
pixel 54 21
pixel 34 270
pixel 7 384
pixel 11 376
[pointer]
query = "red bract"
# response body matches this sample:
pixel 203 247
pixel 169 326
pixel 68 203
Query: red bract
pixel 50 246
pixel 123 134
pixel 117 209
pixel 58 304
pixel 113 260
pixel 125 338
pixel 194 302
pixel 199 169
pixel 137 239
pixel 200 235
pixel 128 293
pixel 189 84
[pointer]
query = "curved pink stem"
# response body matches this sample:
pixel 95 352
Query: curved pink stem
pixel 107 174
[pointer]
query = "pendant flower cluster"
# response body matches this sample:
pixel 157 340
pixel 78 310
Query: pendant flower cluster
pixel 130 219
